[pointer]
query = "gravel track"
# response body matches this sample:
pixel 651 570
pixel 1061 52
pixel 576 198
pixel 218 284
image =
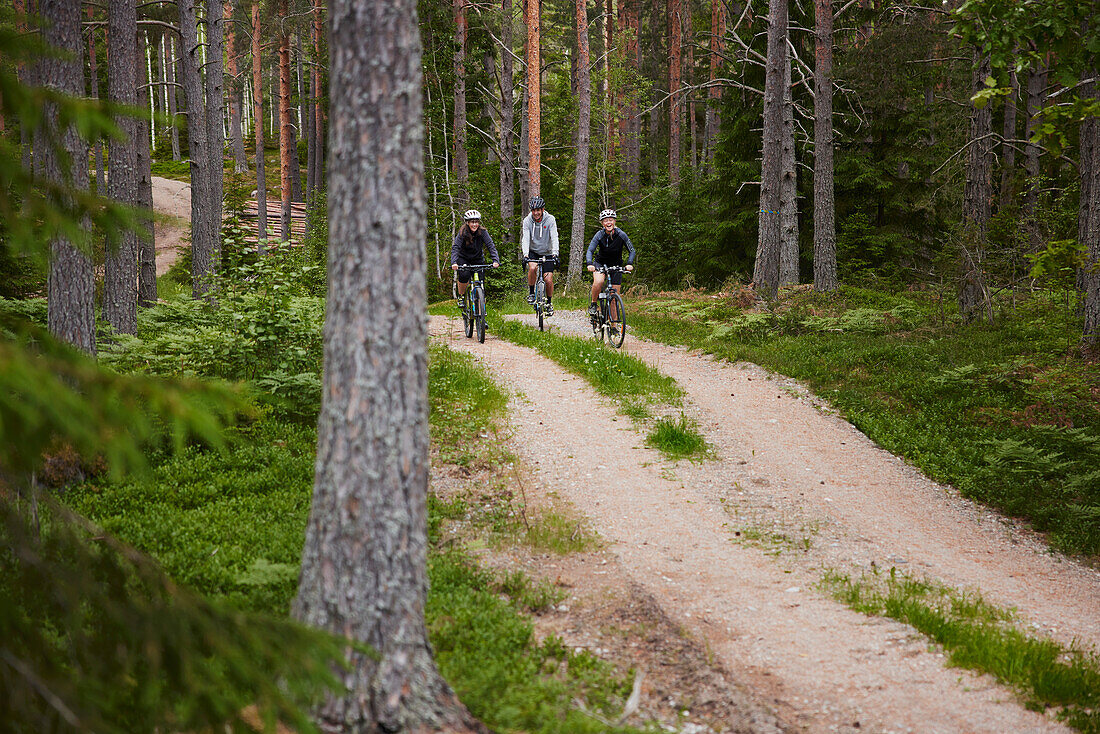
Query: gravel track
pixel 813 493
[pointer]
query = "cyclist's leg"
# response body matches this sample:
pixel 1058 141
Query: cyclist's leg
pixel 548 279
pixel 464 276
pixel 597 285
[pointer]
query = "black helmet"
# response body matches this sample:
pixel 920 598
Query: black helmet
pixel 537 202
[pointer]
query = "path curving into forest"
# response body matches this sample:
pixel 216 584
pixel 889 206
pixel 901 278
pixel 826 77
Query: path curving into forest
pixel 787 467
pixel 171 232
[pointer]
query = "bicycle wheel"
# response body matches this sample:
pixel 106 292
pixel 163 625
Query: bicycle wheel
pixel 540 300
pixel 467 315
pixel 479 314
pixel 616 325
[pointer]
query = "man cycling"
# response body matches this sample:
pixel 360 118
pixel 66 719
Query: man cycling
pixel 540 240
pixel 468 249
pixel 606 248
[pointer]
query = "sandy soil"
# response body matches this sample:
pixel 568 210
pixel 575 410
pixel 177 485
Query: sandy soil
pixel 174 199
pixel 786 467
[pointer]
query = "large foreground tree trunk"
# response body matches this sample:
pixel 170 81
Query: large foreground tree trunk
pixel 766 270
pixel 973 295
pixel 580 177
pixel 825 278
pixel 120 268
pixel 363 571
pixel 71 288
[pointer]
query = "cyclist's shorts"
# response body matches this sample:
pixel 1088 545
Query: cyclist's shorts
pixel 547 267
pixel 615 275
pixel 464 274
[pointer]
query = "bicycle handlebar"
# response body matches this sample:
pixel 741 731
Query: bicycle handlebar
pixel 612 269
pixel 470 266
pixel 549 259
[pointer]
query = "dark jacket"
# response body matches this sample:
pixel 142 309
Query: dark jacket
pixel 608 249
pixel 469 250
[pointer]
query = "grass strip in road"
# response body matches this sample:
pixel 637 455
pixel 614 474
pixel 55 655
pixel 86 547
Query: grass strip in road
pixel 1009 413
pixel 678 438
pixel 978 636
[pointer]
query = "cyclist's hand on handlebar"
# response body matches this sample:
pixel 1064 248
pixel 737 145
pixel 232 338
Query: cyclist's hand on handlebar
pixel 629 268
pixel 591 268
pixel 496 264
pixel 454 266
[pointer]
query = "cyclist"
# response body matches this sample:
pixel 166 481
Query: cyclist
pixel 468 249
pixel 540 240
pixel 606 248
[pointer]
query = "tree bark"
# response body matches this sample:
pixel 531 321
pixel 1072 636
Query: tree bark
pixel 173 96
pixel 318 118
pixel 215 106
pixel 258 129
pixel 675 100
pixel 123 79
pixel 363 571
pixel 70 286
pixel 504 132
pixel 203 230
pixel 766 269
pixel 689 81
pixel 973 296
pixel 1088 222
pixel 608 92
pixel 534 101
pixel 93 88
pixel 236 94
pixel 286 186
pixel 580 178
pixel 1036 97
pixel 713 120
pixel 825 276
pixel 296 124
pixel 461 160
pixel 147 249
pixel 1008 147
pixel 523 159
pixel 632 137
pixel 788 192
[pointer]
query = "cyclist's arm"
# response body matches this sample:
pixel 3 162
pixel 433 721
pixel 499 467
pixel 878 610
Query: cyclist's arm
pixel 525 238
pixel 454 249
pixel 491 246
pixel 554 237
pixel 591 252
pixel 629 248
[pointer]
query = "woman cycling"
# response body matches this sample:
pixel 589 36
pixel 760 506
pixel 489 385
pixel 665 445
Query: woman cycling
pixel 606 248
pixel 468 249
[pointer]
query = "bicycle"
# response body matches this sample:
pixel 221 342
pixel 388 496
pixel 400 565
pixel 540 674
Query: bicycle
pixel 610 320
pixel 473 311
pixel 540 287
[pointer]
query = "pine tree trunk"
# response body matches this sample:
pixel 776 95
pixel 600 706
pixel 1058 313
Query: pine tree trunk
pixel 71 288
pixel 318 118
pixel 714 93
pixel 173 96
pixel 766 269
pixel 689 81
pixel 675 100
pixel 215 107
pixel 973 296
pixel 286 186
pixel 507 122
pixel 1036 97
pixel 202 215
pixel 788 193
pixel 363 571
pixel 461 161
pixel 523 159
pixel 296 125
pixel 123 78
pixel 258 128
pixel 632 139
pixel 608 92
pixel 25 75
pixel 1008 147
pixel 147 249
pixel 236 94
pixel 1088 222
pixel 825 276
pixel 534 101
pixel 93 88
pixel 580 178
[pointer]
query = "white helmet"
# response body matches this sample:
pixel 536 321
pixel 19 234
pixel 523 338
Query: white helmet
pixel 471 214
pixel 608 213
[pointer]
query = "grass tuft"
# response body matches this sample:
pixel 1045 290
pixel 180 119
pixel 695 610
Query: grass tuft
pixel 678 438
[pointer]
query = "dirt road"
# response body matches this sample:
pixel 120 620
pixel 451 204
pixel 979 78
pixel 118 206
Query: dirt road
pixel 813 493
pixel 172 200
